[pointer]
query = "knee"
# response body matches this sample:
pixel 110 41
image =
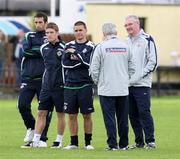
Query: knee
pixel 72 117
pixel 22 107
pixel 42 114
pixel 23 104
pixel 87 117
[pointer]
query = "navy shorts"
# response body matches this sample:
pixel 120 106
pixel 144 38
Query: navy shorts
pixel 75 99
pixel 50 99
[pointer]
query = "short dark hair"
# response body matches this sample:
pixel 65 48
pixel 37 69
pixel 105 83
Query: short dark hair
pixel 43 15
pixel 80 23
pixel 52 26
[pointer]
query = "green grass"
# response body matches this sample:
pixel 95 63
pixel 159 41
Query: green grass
pixel 165 111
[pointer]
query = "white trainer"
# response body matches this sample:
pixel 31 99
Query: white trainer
pixel 26 145
pixel 34 144
pixel 29 135
pixel 42 144
pixel 124 148
pixel 89 147
pixel 70 147
pixel 151 145
pixel 39 144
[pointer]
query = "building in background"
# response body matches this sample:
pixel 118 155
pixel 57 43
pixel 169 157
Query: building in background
pixel 158 17
pixel 63 12
pixel 160 20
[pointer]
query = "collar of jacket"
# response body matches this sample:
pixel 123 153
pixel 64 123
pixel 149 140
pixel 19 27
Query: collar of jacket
pixel 55 43
pixel 40 31
pixel 137 36
pixel 108 37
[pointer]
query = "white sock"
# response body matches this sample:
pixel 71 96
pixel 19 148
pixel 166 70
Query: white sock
pixel 59 138
pixel 36 138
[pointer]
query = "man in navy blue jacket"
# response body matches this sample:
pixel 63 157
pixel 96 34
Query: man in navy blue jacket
pixel 78 85
pixel 31 74
pixel 52 91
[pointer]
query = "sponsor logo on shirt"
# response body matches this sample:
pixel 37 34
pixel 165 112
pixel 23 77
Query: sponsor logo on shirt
pixel 84 51
pixel 65 105
pixel 59 53
pixel 23 85
pixel 90 108
pixel 116 50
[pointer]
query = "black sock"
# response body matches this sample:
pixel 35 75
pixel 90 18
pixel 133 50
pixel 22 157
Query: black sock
pixel 88 138
pixel 74 140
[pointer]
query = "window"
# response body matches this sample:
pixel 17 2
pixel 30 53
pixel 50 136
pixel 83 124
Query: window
pixel 142 23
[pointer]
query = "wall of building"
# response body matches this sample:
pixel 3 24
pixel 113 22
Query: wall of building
pixel 162 22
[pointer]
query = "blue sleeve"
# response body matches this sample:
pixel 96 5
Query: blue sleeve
pixel 70 60
pixel 85 57
pixel 30 50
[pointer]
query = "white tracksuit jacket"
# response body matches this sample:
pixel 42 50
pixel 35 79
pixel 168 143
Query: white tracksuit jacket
pixel 144 53
pixel 111 67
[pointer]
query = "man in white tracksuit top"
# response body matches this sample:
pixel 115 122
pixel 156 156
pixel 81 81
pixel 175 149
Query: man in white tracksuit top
pixel 110 69
pixel 144 53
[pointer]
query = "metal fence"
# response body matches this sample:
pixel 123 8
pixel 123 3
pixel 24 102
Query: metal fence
pixel 8 79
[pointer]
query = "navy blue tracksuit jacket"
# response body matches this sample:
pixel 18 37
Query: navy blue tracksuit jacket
pixel 53 77
pixel 77 64
pixel 32 66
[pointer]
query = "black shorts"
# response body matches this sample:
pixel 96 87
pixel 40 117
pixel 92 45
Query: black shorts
pixel 49 99
pixel 78 98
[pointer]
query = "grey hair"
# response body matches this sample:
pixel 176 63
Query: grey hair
pixel 134 17
pixel 109 29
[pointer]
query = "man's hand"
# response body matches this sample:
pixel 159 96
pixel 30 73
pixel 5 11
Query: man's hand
pixel 70 50
pixel 74 57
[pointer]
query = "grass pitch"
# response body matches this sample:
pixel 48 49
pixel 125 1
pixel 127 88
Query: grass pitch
pixel 165 111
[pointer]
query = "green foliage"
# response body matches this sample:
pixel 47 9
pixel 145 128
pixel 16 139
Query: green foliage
pixel 165 111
